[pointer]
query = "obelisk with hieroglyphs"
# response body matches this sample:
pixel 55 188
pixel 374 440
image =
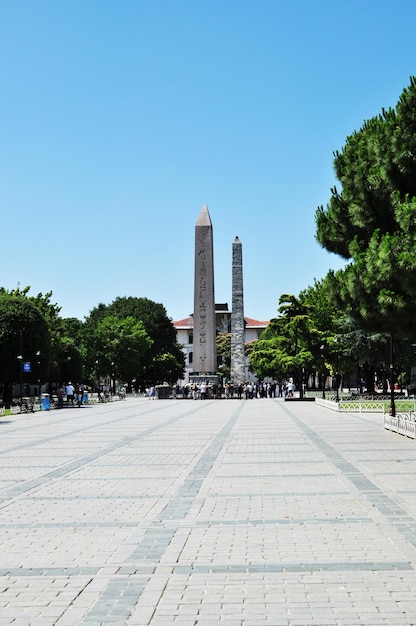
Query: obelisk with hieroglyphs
pixel 204 346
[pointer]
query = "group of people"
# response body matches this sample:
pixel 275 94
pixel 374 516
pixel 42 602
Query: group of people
pixel 70 394
pixel 273 389
pixel 248 391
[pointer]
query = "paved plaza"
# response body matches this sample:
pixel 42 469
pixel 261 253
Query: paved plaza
pixel 198 513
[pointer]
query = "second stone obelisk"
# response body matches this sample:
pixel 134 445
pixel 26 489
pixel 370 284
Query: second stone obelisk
pixel 204 346
pixel 237 317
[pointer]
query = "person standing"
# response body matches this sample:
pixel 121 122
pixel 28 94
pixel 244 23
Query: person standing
pixel 70 394
pixel 240 391
pixel 80 394
pixel 59 395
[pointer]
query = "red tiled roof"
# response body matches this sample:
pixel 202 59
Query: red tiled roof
pixel 251 322
pixel 188 322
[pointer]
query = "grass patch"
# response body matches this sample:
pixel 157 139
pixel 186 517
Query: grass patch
pixel 402 405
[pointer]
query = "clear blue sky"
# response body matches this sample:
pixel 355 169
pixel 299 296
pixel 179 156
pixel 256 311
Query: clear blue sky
pixel 120 119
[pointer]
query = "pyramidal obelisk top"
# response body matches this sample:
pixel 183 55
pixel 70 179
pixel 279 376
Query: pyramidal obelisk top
pixel 204 346
pixel 204 218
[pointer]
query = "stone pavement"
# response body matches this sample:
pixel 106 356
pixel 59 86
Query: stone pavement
pixel 202 513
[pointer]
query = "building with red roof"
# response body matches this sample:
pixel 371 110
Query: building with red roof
pixel 184 334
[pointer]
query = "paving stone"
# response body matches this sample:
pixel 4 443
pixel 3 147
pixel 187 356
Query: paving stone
pixel 176 512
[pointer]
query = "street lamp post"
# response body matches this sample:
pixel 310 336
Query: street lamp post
pixel 20 359
pixel 323 371
pixel 300 376
pixel 336 371
pixel 97 375
pixel 303 383
pixel 39 379
pixel 113 375
pixel 337 380
pixel 392 401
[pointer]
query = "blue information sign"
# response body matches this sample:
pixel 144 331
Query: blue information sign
pixel 26 366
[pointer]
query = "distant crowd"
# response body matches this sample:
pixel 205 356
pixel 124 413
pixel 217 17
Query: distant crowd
pixel 248 391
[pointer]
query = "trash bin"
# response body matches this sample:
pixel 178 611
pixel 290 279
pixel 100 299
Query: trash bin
pixel 45 403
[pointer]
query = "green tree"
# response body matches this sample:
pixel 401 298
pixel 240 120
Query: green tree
pixel 50 313
pixel 167 365
pixel 362 353
pixel 284 349
pixel 366 355
pixel 371 222
pixel 66 359
pixel 223 341
pixel 120 346
pixel 267 358
pixel 63 361
pixel 23 333
pixel 325 344
pixel 305 340
pixel 164 361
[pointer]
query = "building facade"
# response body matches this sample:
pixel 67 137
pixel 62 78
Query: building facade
pixel 185 328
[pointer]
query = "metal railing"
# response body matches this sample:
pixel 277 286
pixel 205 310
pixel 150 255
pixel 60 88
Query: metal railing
pixel 402 423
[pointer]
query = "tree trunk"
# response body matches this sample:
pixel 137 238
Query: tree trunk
pixel 7 394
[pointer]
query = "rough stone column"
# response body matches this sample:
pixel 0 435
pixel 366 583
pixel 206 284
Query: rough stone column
pixel 204 346
pixel 237 317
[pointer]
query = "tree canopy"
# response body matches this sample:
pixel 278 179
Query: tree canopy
pixel 223 343
pixel 119 346
pixel 131 339
pixel 371 222
pixel 24 337
pixel 163 360
pixel 286 346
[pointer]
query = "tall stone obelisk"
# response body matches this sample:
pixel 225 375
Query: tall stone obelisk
pixel 204 346
pixel 237 317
